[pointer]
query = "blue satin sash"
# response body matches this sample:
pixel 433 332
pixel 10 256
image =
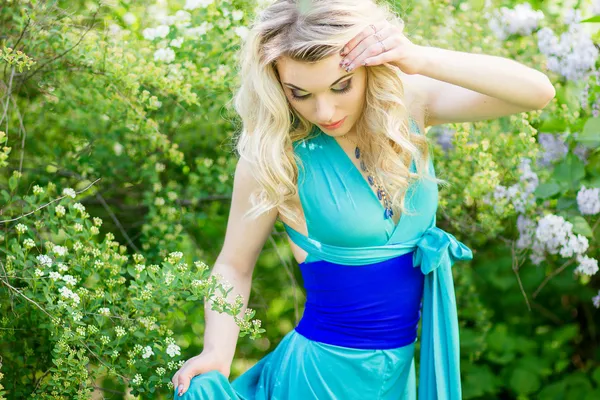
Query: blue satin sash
pixel 375 306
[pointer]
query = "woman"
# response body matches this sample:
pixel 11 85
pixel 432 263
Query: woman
pixel 333 101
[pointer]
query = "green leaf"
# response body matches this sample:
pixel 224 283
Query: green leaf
pixel 570 171
pixel 593 19
pixel 590 136
pixel 581 226
pixel 596 375
pixel 546 190
pixel 523 381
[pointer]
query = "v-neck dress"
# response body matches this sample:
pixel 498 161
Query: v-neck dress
pixel 368 283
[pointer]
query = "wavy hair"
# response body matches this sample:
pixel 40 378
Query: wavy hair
pixel 309 31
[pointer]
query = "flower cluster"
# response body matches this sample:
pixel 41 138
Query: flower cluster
pixel 554 235
pixel 521 20
pixel 555 148
pixel 573 55
pixel 588 201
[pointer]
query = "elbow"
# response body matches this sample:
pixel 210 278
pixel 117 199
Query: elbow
pixel 547 93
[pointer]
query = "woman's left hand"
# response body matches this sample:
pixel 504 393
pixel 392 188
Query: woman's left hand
pixel 383 43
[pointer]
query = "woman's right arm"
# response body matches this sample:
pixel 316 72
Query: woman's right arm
pixel 244 240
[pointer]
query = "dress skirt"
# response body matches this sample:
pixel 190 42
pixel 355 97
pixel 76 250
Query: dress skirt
pixel 304 369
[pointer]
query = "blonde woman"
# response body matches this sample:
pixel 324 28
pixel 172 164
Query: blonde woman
pixel 334 101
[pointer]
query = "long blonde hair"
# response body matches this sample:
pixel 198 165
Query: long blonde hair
pixel 309 31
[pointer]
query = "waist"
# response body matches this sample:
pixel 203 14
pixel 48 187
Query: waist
pixel 374 306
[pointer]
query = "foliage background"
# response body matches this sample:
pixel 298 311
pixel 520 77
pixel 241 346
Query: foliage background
pixel 145 139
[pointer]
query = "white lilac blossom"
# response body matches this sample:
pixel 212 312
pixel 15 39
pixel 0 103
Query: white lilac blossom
pixel 587 266
pixel 573 55
pixel 555 148
pixel 526 228
pixel 596 299
pixel 193 4
pixel 521 20
pixel 555 235
pixel 444 136
pixel 588 201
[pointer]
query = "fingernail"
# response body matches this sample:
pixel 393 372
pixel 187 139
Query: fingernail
pixel 343 52
pixel 180 389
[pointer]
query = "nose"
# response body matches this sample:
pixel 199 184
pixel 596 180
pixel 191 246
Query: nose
pixel 325 112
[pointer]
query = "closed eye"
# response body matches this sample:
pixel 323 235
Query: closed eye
pixel 346 86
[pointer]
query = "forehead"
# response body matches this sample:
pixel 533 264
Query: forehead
pixel 309 76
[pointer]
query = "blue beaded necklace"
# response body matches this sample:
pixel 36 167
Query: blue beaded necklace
pixel 382 194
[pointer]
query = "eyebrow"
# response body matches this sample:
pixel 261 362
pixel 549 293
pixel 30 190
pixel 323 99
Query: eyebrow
pixel 339 79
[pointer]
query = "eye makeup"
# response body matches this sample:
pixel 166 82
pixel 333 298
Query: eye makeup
pixel 343 90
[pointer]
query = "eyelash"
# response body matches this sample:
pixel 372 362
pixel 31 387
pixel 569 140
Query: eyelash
pixel 339 91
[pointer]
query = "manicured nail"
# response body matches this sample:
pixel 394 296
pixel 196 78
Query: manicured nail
pixel 180 389
pixel 343 52
pixel 349 68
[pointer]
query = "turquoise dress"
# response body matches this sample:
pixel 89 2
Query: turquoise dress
pixel 368 282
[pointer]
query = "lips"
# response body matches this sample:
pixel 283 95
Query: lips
pixel 334 125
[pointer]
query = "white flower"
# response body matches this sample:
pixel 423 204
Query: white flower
pixel 55 275
pixel 573 55
pixel 596 299
pixel 193 4
pixel 521 20
pixel 78 227
pixel 62 267
pixel 104 311
pixel 237 15
pixel 575 245
pixel 59 250
pixel 147 352
pixel 587 266
pixel 69 192
pixel 160 31
pixel 44 260
pixel 39 272
pixel 241 31
pixel 137 379
pixel 21 229
pixel 176 42
pixel 118 148
pixel 38 190
pixel 167 55
pixel 28 243
pixel 60 211
pixel 129 18
pixel 588 201
pixel 120 331
pixel 173 350
pixel 79 207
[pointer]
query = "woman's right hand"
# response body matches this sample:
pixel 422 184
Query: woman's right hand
pixel 197 365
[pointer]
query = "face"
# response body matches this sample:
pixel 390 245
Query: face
pixel 323 92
